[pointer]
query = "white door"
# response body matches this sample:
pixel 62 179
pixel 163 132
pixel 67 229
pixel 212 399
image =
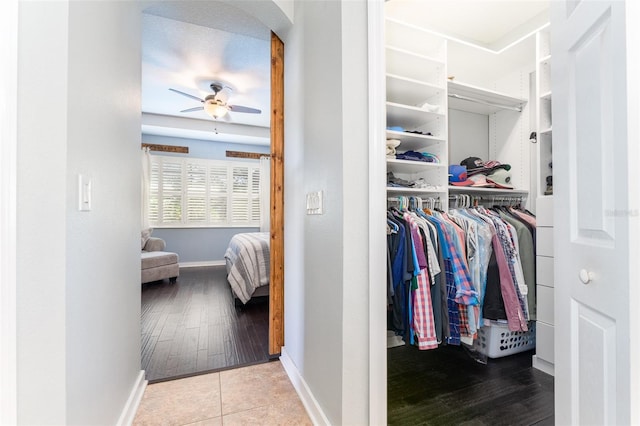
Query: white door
pixel 595 166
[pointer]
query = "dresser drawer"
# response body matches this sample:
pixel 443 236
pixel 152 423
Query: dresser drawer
pixel 544 271
pixel 544 341
pixel 545 304
pixel 544 211
pixel 544 241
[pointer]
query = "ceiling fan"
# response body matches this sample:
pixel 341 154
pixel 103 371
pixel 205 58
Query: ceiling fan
pixel 215 107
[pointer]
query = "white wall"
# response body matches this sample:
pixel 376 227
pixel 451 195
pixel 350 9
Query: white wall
pixel 8 219
pixel 509 142
pixel 355 183
pixel 468 136
pixel 326 321
pixel 41 212
pixel 78 272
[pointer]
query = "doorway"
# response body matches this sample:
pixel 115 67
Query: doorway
pixel 455 62
pixel 261 317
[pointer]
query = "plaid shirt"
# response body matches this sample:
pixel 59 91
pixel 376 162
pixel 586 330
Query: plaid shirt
pixel 423 326
pixel 465 293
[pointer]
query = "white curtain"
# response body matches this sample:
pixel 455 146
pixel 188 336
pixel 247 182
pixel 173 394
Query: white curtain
pixel 265 193
pixel 146 185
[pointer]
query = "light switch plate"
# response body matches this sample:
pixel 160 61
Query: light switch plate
pixel 315 204
pixel 84 193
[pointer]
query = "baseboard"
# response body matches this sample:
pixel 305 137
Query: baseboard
pixel 314 411
pixel 131 407
pixel 203 263
pixel 542 365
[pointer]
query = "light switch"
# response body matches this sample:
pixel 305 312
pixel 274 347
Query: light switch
pixel 315 203
pixel 84 193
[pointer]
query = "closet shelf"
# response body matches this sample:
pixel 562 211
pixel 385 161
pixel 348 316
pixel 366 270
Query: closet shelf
pixel 416 56
pixel 546 131
pixel 545 59
pixel 407 64
pixel 487 191
pixel 409 117
pixel 466 97
pixel 414 191
pixel 413 141
pixel 408 166
pixel 409 91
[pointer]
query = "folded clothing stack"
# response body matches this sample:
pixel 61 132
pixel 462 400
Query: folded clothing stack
pixel 418 156
pixel 396 182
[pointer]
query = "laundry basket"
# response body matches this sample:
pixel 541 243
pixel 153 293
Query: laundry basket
pixel 496 340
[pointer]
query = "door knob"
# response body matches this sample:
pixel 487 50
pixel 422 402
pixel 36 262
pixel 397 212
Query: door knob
pixel 585 276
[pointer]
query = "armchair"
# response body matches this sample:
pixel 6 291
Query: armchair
pixel 156 263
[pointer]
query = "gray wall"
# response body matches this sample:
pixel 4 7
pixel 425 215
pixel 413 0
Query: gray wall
pixel 78 272
pixel 201 244
pixel 41 212
pixel 326 267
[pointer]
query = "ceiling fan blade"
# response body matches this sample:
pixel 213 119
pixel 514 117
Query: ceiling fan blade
pixel 240 108
pixel 187 95
pixel 193 109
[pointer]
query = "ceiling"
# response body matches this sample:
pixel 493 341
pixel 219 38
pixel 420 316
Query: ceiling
pixel 188 57
pixel 489 24
pixel 188 44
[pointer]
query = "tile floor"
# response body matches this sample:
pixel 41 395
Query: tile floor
pixel 256 395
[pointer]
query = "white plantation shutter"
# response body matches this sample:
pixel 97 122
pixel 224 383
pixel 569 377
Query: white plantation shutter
pixel 171 190
pixel 240 210
pixel 240 195
pixel 197 192
pixel 196 179
pixel 255 195
pixel 218 193
pixel 154 185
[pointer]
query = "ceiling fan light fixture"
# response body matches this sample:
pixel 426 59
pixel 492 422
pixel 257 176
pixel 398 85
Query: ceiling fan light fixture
pixel 215 110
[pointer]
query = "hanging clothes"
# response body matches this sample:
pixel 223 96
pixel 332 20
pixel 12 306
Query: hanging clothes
pixel 448 272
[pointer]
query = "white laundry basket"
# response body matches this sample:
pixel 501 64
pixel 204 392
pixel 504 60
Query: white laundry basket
pixel 496 340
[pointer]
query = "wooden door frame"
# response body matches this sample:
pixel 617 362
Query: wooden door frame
pixel 276 278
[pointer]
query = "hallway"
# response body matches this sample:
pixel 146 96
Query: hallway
pixel 258 395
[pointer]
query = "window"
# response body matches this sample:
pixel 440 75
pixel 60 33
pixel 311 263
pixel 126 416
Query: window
pixel 192 192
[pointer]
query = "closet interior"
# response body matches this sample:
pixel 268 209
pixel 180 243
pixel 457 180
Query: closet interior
pixel 451 104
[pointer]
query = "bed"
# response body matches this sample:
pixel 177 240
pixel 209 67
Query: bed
pixel 247 260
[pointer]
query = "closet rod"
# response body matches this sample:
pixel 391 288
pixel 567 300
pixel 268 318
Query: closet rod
pixel 468 199
pixel 480 101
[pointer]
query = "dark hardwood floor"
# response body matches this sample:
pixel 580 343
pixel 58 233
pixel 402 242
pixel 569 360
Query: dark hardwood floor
pixel 193 326
pixel 446 387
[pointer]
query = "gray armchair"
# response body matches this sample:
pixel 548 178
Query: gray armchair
pixel 158 264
